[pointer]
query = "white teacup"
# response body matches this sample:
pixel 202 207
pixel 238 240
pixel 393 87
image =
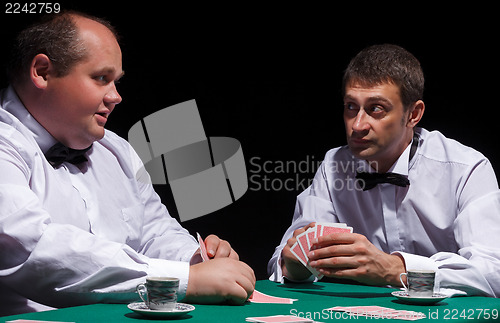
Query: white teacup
pixel 420 282
pixel 159 293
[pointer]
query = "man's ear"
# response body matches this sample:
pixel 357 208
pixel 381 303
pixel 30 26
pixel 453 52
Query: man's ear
pixel 40 68
pixel 416 113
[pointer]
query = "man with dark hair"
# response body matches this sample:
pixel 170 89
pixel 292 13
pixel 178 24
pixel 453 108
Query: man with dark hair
pixel 415 199
pixel 79 223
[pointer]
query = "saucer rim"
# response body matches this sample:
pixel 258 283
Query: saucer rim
pixel 403 296
pixel 160 312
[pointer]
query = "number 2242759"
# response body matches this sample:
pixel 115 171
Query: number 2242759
pixel 32 7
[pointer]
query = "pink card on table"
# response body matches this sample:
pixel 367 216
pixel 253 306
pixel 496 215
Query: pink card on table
pixel 405 315
pixel 375 311
pixel 258 297
pixel 279 319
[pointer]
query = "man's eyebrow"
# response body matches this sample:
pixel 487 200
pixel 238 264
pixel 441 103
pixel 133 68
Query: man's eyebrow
pixel 349 97
pixel 379 99
pixel 370 99
pixel 120 76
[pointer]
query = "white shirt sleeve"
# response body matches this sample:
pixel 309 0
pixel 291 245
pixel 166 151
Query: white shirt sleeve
pixel 61 264
pixel 299 221
pixel 474 270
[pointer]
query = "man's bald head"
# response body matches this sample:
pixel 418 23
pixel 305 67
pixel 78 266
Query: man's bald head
pixel 57 36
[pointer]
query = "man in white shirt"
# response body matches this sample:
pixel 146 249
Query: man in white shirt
pixel 442 214
pixel 88 228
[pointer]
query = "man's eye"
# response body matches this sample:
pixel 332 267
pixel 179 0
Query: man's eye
pixel 350 106
pixel 376 108
pixel 101 79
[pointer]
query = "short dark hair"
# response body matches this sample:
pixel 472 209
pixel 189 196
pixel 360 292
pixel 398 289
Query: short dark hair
pixel 387 63
pixel 56 36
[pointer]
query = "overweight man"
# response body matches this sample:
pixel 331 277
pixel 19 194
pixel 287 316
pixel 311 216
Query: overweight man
pixel 415 199
pixel 78 223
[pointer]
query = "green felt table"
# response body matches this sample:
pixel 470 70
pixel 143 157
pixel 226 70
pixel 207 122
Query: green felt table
pixel 312 300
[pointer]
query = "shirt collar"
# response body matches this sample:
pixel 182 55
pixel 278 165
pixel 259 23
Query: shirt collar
pixel 12 104
pixel 401 165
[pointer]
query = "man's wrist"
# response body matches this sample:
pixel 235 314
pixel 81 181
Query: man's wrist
pixel 398 267
pixel 294 271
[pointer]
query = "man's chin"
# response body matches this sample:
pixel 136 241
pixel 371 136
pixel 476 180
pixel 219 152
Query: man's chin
pixel 362 153
pixel 94 136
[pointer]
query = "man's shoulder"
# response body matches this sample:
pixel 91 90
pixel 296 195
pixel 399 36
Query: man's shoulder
pixel 13 133
pixel 438 147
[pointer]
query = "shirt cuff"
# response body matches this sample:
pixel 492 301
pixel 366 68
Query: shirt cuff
pixel 277 275
pixel 170 268
pixel 424 263
pixel 416 262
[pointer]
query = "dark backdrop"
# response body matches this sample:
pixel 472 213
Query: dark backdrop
pixel 270 77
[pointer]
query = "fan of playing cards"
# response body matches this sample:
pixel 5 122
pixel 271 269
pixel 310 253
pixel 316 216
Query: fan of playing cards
pixel 301 248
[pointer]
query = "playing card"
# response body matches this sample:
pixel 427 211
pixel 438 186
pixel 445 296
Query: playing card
pixel 378 312
pixel 304 242
pixel 299 254
pixel 311 234
pixel 369 308
pixel 404 315
pixel 329 229
pixel 335 224
pixel 279 319
pixel 258 297
pixel 203 248
pixel 319 227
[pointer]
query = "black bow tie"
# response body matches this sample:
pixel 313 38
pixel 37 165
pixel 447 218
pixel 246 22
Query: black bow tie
pixel 59 153
pixel 371 180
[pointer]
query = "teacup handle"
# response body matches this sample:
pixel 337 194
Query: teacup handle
pixel 401 280
pixel 143 293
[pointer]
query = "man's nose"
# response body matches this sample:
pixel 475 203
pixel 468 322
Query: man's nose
pixel 113 97
pixel 360 122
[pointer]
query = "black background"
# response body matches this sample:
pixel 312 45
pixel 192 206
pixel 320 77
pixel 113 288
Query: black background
pixel 270 77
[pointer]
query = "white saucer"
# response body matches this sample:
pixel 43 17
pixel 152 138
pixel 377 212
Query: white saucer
pixel 179 310
pixel 403 296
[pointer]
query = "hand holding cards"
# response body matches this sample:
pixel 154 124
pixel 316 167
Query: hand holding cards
pixel 256 297
pixel 301 248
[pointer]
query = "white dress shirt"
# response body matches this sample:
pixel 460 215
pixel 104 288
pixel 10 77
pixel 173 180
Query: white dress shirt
pixel 78 234
pixel 447 219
